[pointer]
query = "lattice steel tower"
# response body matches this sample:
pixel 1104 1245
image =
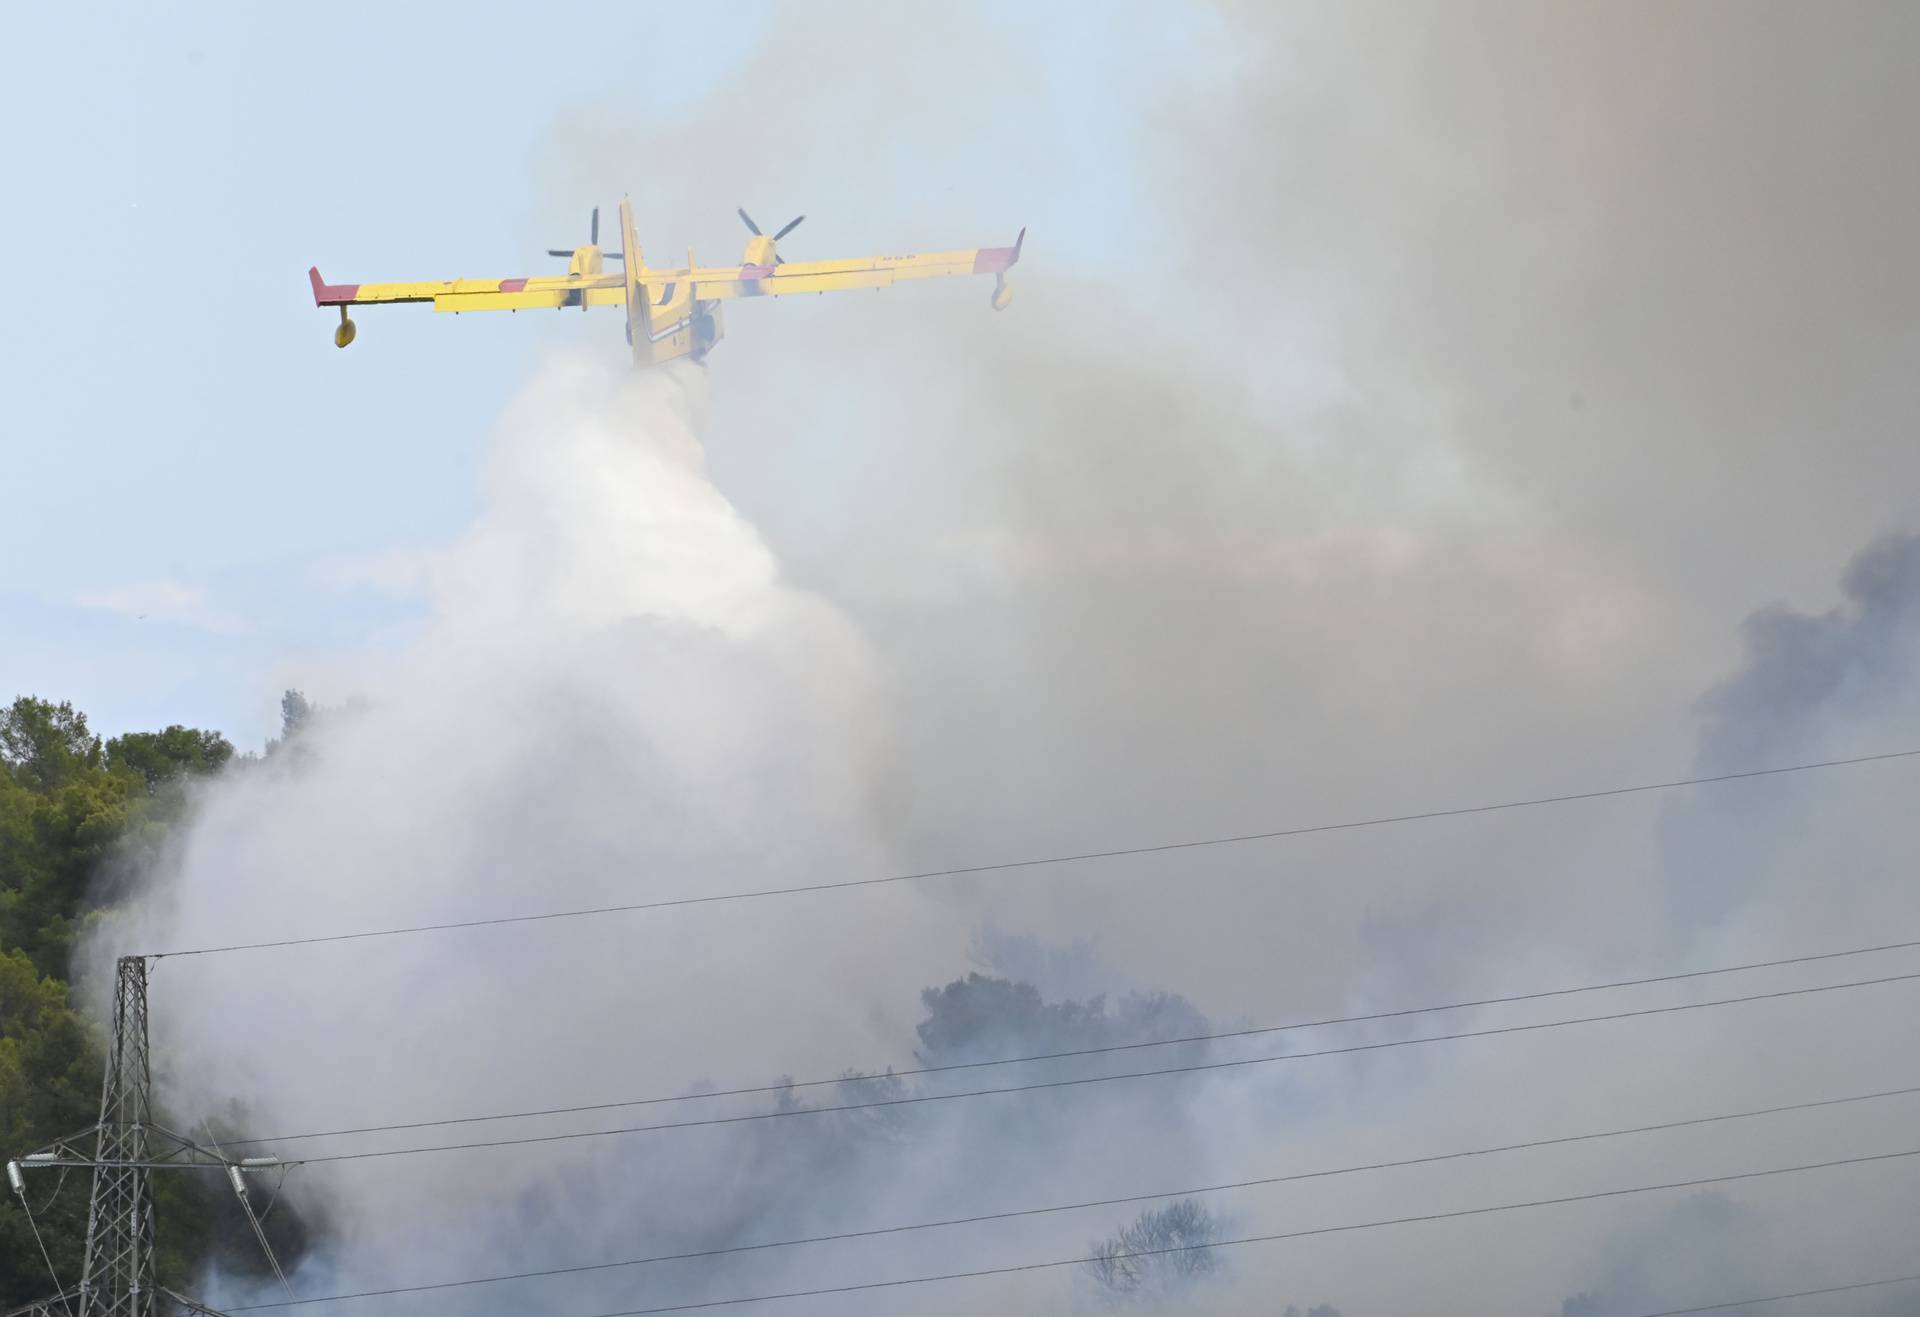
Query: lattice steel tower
pixel 118 1279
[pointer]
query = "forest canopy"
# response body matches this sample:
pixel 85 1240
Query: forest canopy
pixel 81 817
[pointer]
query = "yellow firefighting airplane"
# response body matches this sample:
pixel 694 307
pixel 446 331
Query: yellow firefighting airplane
pixel 670 312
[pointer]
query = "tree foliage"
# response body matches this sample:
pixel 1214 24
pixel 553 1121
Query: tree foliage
pixel 80 819
pixel 46 745
pixel 164 758
pixel 79 816
pixel 980 1017
pixel 49 1085
pixel 1159 1253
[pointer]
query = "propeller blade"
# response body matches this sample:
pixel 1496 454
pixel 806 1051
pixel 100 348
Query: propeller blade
pixel 613 256
pixel 552 252
pixel 778 259
pixel 792 224
pixel 596 226
pixel 747 220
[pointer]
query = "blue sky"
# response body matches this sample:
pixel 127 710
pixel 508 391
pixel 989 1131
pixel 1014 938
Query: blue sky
pixel 185 452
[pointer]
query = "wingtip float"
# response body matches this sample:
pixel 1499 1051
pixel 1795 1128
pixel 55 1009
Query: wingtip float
pixel 671 311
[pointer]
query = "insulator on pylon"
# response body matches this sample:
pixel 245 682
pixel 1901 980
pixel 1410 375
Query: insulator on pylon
pixel 239 1180
pixel 17 1180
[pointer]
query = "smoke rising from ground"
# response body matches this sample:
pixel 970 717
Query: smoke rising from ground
pixel 1471 379
pixel 615 697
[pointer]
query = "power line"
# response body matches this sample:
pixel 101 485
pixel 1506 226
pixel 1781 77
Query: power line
pixel 1103 1202
pixel 846 1078
pixel 1193 1068
pixel 237 1178
pixel 1036 862
pixel 59 1293
pixel 1055 1263
pixel 1782 1298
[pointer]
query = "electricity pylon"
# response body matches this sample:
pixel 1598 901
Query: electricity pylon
pixel 117 1278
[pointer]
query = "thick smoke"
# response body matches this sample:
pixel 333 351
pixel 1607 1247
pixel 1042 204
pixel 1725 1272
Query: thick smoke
pixel 616 698
pixel 1401 409
pixel 1810 686
pixel 1807 676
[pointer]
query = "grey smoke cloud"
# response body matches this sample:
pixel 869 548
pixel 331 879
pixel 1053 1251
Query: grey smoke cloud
pixel 1473 374
pixel 1803 673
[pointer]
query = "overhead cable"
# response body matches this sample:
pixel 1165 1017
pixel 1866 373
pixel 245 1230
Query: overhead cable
pixel 1782 1298
pixel 1000 866
pixel 1194 1068
pixel 1188 1192
pixel 1052 1264
pixel 847 1076
pixel 46 1257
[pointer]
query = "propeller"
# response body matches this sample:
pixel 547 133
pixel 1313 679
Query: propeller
pixel 754 229
pixel 593 230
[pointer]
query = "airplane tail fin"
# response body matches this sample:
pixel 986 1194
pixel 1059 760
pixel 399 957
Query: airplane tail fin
pixel 639 314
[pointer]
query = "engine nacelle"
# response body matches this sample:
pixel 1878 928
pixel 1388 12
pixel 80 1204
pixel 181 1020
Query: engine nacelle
pixel 760 251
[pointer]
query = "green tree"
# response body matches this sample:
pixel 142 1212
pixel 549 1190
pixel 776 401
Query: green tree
pixel 49 1086
pixel 79 821
pixel 296 714
pixel 160 758
pixel 43 744
pixel 58 829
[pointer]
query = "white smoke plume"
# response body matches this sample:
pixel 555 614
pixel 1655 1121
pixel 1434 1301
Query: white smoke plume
pixel 616 698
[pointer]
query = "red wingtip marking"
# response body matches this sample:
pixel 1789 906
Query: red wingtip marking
pixel 326 294
pixel 994 260
pixel 998 260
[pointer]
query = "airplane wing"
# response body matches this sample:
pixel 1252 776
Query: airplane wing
pixel 480 294
pixel 709 283
pixel 715 282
